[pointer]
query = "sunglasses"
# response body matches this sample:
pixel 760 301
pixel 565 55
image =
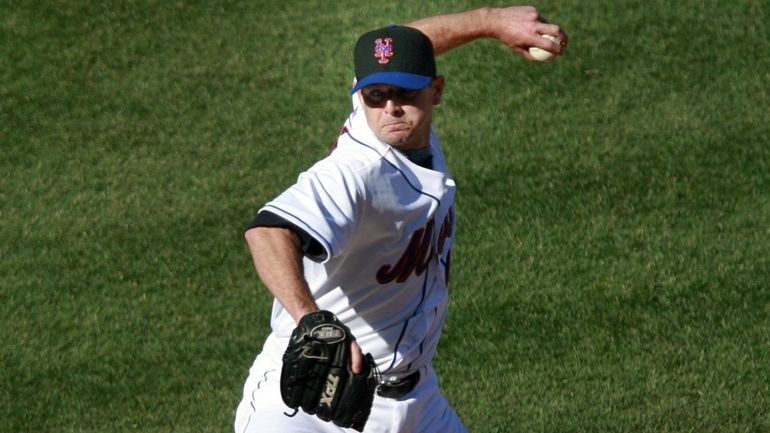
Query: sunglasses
pixel 375 96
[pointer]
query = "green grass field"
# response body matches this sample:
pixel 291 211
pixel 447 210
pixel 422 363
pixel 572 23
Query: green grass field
pixel 611 270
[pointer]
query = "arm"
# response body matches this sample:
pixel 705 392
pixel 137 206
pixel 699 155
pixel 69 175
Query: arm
pixel 519 27
pixel 278 260
pixel 277 257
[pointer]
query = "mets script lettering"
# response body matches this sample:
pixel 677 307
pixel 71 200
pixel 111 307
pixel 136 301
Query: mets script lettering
pixel 419 253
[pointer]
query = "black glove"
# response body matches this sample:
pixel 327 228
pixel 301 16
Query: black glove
pixel 316 373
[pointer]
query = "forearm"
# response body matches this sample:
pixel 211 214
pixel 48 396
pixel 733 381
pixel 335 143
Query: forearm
pixel 449 31
pixel 278 260
pixel 519 27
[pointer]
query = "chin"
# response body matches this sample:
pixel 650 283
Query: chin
pixel 396 141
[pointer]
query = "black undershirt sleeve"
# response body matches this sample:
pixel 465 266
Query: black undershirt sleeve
pixel 309 245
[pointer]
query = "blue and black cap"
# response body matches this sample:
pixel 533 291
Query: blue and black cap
pixel 395 55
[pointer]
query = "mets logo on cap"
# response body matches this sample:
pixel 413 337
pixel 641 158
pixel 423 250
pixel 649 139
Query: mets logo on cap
pixel 383 50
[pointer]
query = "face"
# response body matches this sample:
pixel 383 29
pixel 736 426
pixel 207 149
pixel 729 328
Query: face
pixel 401 117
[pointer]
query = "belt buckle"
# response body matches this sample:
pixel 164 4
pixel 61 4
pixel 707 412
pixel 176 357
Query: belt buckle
pixel 398 388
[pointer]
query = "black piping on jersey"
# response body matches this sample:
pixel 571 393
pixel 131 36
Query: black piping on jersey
pixel 394 166
pixel 253 398
pixel 406 324
pixel 422 343
pixel 317 235
pixel 447 263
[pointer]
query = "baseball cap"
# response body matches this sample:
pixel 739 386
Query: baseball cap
pixel 395 55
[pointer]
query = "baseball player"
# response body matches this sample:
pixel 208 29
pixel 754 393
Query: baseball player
pixel 357 252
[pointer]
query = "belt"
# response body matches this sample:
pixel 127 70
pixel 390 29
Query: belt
pixel 398 388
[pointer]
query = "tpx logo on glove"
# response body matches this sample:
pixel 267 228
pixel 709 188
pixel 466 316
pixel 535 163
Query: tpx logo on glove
pixel 330 390
pixel 327 333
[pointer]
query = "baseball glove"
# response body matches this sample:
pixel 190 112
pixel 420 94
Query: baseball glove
pixel 316 375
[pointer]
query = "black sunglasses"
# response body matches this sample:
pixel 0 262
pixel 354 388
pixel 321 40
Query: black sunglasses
pixel 375 96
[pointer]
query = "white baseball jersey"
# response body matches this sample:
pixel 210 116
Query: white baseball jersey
pixel 386 225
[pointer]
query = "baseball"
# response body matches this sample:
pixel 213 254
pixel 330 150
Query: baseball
pixel 540 54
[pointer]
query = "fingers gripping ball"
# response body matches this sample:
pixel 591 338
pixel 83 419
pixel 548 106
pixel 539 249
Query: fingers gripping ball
pixel 542 55
pixel 316 375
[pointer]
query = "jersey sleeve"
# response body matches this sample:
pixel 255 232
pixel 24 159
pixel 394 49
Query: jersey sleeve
pixel 324 203
pixel 310 247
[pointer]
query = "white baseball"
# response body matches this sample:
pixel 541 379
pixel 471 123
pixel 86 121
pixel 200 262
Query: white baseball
pixel 542 55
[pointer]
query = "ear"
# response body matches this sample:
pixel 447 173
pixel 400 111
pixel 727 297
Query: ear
pixel 438 86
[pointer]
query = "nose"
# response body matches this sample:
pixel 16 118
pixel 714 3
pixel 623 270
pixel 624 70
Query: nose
pixel 392 107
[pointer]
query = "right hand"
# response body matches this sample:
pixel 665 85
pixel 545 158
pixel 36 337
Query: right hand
pixel 356 358
pixel 522 27
pixel 314 376
pixel 356 354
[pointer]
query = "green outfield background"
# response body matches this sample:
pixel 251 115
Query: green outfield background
pixel 611 269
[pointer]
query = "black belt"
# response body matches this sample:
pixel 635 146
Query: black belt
pixel 398 388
